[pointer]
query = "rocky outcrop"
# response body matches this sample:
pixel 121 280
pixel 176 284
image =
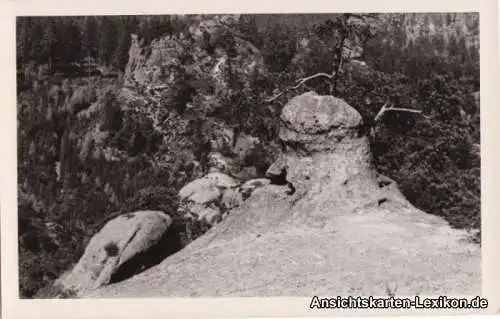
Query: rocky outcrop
pixel 118 242
pixel 344 230
pixel 191 74
pixel 205 58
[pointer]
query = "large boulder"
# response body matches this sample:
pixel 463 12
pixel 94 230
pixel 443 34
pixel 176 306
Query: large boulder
pixel 344 230
pixel 120 240
pixel 200 199
pixel 207 188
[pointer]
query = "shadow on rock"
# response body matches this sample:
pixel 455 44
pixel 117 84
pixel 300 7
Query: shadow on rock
pixel 169 243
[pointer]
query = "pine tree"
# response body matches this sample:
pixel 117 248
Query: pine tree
pixel 438 21
pixel 144 28
pixel 449 19
pixel 120 55
pixel 108 40
pixel 453 48
pixel 90 36
pixel 24 26
pixel 248 26
pixel 35 47
pixel 74 42
pixel 438 42
pixel 48 42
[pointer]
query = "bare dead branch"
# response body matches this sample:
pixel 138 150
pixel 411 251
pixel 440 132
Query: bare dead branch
pixel 380 112
pixel 403 110
pixel 386 108
pixel 347 31
pixel 277 96
pixel 301 82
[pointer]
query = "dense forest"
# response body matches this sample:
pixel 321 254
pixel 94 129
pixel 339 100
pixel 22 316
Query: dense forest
pixel 71 72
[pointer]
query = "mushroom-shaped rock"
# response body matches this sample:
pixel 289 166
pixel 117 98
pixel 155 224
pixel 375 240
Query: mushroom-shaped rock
pixel 318 123
pixel 345 230
pixel 118 241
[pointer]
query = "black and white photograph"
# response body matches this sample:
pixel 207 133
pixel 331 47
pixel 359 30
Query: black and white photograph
pixel 229 155
pixel 248 155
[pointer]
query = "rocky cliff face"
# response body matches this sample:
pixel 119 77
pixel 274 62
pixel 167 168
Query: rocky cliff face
pixel 345 229
pixel 447 25
pixel 208 58
pixel 192 75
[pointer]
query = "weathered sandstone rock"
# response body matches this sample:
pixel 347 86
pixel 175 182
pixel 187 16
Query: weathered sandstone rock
pixel 116 243
pixel 207 188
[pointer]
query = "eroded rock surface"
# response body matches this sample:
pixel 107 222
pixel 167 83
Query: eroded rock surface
pixel 344 230
pixel 120 240
pixel 235 196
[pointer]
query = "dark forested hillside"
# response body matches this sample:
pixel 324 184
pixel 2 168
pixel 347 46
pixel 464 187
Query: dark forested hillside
pixel 99 135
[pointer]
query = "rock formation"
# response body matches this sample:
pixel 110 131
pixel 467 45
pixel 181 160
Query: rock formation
pixel 176 78
pixel 346 229
pixel 210 198
pixel 199 200
pixel 118 242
